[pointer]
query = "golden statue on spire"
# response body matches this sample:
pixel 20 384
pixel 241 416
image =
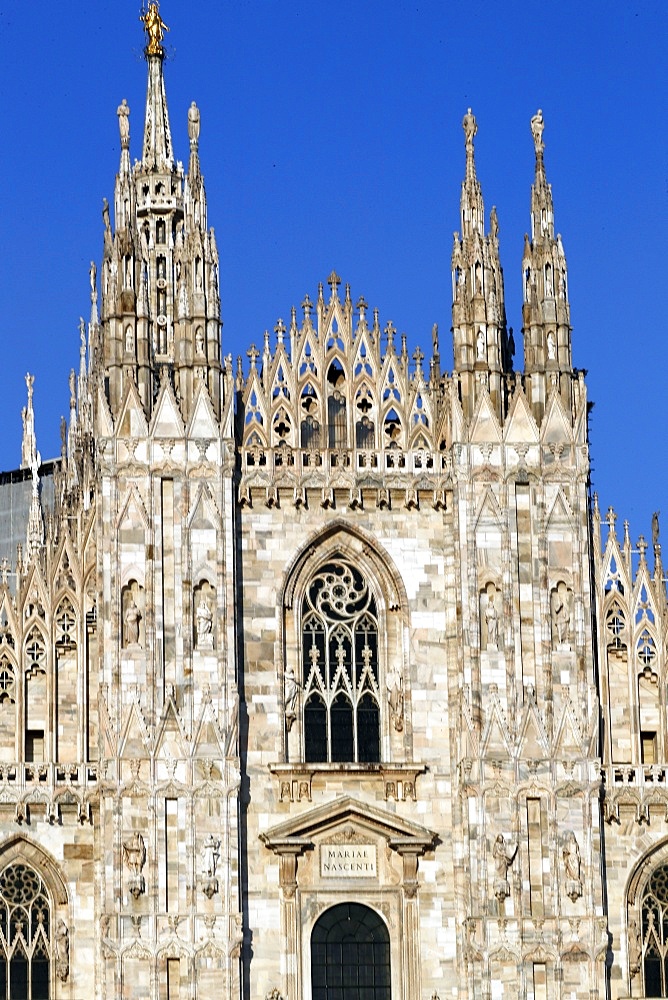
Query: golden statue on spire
pixel 155 27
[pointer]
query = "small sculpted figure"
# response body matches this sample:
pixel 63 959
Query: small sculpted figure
pixel 504 855
pixel 204 619
pixel 155 28
pixel 571 856
pixel 492 622
pixel 132 619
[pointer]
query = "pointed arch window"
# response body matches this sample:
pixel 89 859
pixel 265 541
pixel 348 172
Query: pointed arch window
pixel 340 667
pixel 25 932
pixel 654 930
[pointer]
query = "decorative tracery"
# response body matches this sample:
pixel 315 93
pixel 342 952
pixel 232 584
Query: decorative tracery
pixel 654 941
pixel 25 918
pixel 340 667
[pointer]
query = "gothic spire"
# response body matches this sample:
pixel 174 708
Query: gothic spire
pixel 546 313
pixel 542 211
pixel 478 313
pixel 157 152
pixel 472 208
pixel 160 307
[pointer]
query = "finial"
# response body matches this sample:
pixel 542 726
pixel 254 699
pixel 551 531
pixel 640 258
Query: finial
pixel 390 331
pixel 418 358
pixel 627 535
pixel 307 306
pixel 642 547
pixel 123 112
pixel 611 518
pixel 253 354
pixel 334 281
pixel 537 126
pixel 470 127
pixel 155 27
pixel 362 308
pixel 279 330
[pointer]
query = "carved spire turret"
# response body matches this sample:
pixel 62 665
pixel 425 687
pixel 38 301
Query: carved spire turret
pixel 160 303
pixel 478 312
pixel 546 312
pixel 32 459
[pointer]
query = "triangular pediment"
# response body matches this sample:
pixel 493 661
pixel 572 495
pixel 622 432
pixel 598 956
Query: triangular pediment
pixel 104 420
pixel 520 425
pixel 171 741
pixel 485 425
pixel 533 741
pixel 167 421
pixel 202 423
pixel 556 427
pixel 489 511
pixel 495 738
pixel 569 739
pixel 135 741
pixel 133 512
pixel 204 512
pixel 208 740
pixel 346 809
pixel 132 419
pixel 560 512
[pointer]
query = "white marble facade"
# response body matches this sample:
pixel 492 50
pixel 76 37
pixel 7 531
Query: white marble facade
pixel 334 647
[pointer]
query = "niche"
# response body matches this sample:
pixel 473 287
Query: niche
pixel 132 609
pixel 204 607
pixel 490 601
pixel 561 613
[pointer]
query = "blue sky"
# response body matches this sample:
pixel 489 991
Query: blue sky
pixel 331 138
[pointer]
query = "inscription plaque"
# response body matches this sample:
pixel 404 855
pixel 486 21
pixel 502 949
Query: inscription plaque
pixel 348 860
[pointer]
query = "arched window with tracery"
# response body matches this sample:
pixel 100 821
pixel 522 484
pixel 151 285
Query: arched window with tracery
pixel 25 932
pixel 654 943
pixel 340 667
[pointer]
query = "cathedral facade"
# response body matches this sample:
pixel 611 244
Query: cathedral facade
pixel 324 677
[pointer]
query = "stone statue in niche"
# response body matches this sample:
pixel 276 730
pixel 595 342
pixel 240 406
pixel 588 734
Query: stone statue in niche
pixel 62 947
pixel 199 342
pixel 395 698
pixel 132 616
pixel 210 856
pixel 134 855
pixel 571 856
pixel 551 347
pixel 489 618
pixel 561 616
pixel 504 855
pixel 480 346
pixel 204 601
pixel 291 692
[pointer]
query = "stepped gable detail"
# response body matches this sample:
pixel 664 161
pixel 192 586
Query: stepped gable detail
pixel 338 405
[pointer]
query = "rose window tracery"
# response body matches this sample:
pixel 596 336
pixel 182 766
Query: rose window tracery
pixel 340 667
